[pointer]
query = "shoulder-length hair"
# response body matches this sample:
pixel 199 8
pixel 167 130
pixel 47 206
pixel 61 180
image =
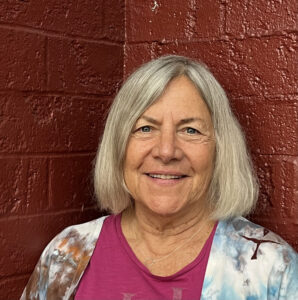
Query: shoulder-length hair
pixel 233 188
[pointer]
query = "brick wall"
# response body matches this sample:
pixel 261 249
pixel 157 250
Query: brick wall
pixel 250 46
pixel 61 63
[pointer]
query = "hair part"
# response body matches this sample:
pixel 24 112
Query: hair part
pixel 233 189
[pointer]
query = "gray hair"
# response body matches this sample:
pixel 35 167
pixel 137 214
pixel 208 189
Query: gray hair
pixel 233 189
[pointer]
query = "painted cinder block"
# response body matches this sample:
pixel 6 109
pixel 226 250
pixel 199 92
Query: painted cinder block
pixel 171 21
pixel 137 54
pixel 43 123
pixel 80 17
pixel 22 61
pixel 271 126
pixel 264 66
pixel 12 288
pixel 279 185
pixel 84 67
pixel 113 20
pixel 156 20
pixel 71 182
pixel 254 66
pixel 23 185
pixel 256 18
pixel 209 18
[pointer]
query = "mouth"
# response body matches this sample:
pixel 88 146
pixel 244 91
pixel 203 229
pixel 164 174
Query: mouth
pixel 165 176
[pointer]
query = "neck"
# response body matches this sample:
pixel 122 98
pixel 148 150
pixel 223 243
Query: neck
pixel 165 244
pixel 142 222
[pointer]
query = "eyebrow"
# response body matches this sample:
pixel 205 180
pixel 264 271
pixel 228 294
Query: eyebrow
pixel 181 122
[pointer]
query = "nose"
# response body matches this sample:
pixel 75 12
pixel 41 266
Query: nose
pixel 166 148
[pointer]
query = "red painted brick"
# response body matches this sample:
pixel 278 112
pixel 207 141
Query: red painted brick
pixel 278 178
pixel 257 17
pixel 78 17
pixel 271 127
pixel 71 182
pixel 137 54
pixel 22 60
pixel 253 66
pixel 177 20
pixel 201 51
pixel 23 185
pixel 22 240
pixel 12 288
pixel 264 66
pixel 81 67
pixel 149 20
pixel 208 18
pixel 40 123
pixel 113 20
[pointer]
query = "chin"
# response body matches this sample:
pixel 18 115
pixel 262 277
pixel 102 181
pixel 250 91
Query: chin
pixel 164 208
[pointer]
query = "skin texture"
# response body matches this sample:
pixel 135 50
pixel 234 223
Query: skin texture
pixel 174 136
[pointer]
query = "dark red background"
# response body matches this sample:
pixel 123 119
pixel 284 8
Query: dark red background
pixel 61 62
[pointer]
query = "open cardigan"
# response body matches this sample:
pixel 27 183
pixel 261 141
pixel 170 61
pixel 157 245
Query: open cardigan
pixel 246 261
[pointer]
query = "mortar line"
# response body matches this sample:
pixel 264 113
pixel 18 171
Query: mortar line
pixel 125 41
pixel 224 16
pixel 46 62
pixel 226 38
pixel 56 93
pixel 45 154
pixel 108 97
pixel 49 204
pixel 51 213
pixel 58 34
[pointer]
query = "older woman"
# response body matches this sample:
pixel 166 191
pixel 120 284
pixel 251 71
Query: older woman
pixel 173 170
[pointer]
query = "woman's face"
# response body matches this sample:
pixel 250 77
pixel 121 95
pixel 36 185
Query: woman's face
pixel 170 153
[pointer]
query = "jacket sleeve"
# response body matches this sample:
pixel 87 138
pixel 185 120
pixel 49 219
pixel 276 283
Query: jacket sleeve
pixel 37 284
pixel 63 262
pixel 289 284
pixel 53 275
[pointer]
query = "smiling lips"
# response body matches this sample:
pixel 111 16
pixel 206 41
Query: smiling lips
pixel 165 176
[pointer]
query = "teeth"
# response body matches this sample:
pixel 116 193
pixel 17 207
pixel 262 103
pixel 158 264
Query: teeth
pixel 162 176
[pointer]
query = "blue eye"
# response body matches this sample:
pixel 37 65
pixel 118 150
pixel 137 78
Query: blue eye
pixel 145 129
pixel 190 130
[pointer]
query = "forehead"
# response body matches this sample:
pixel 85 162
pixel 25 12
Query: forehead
pixel 180 99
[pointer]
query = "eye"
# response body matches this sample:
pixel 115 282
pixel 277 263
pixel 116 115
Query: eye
pixel 144 129
pixel 191 131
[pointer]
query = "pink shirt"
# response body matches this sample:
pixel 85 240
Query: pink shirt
pixel 114 272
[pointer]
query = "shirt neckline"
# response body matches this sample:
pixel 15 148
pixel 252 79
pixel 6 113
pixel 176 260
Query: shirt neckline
pixel 143 268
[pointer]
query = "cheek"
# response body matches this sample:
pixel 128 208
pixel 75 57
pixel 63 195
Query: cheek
pixel 132 163
pixel 203 162
pixel 137 153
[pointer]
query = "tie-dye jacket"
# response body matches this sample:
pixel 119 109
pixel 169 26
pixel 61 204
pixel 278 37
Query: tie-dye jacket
pixel 246 262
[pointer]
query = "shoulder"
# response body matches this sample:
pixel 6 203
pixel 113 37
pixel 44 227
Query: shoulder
pixel 248 259
pixel 67 254
pixel 255 239
pixel 82 236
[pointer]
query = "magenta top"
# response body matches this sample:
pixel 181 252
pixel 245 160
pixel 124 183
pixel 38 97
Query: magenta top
pixel 114 272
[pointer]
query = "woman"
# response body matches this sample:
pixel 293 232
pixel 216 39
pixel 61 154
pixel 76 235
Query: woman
pixel 173 170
